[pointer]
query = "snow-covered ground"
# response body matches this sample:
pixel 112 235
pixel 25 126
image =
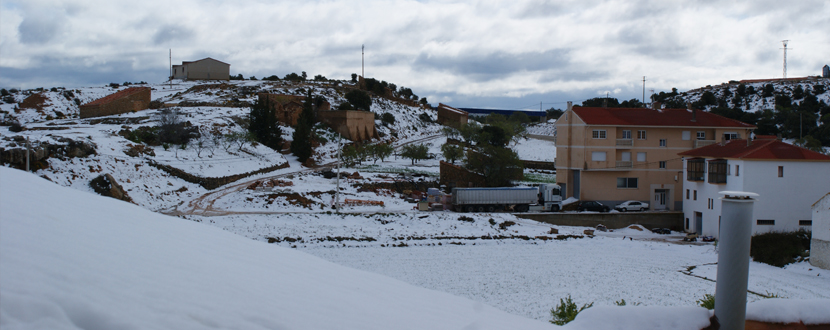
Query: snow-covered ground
pixel 521 269
pixel 89 262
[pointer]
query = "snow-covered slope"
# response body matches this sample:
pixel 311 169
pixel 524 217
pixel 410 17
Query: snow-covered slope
pixel 72 260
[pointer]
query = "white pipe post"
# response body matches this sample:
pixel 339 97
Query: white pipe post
pixel 733 258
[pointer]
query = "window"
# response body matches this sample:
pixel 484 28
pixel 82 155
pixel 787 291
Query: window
pixel 686 136
pixel 780 171
pixel 694 169
pixel 737 170
pixel 805 222
pixel 626 134
pixel 641 135
pixel 687 193
pixel 641 156
pixel 695 195
pixel 599 134
pixel 765 222
pixel 598 156
pixel 730 136
pixel 626 156
pixel 701 135
pixel 626 182
pixel 662 142
pixel 662 164
pixel 717 171
pixel 687 223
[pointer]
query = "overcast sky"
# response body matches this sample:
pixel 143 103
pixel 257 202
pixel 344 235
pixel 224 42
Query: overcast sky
pixel 497 54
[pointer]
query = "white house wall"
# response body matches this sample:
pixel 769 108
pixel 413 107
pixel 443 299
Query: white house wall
pixel 786 200
pixel 820 243
pixel 705 191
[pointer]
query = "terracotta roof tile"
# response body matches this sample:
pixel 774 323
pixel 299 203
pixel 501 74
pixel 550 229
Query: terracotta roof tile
pixel 650 117
pixel 759 149
pixel 117 95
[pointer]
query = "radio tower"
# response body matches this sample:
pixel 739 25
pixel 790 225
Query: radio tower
pixel 785 57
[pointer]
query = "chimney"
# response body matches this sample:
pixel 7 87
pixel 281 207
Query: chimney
pixel 570 105
pixel 693 111
pixel 656 105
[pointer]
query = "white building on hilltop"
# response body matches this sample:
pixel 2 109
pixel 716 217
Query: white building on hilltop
pixel 789 179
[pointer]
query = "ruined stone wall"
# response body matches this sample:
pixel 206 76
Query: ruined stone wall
pixel 286 107
pixel 354 125
pixel 451 118
pixel 453 176
pixel 128 100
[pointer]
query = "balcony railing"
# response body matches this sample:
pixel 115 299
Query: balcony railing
pixel 624 164
pixel 703 143
pixel 625 143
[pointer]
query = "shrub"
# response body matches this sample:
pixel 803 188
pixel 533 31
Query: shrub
pixel 566 311
pixel 780 248
pixel 424 117
pixel 359 99
pixel 707 302
pixel 387 118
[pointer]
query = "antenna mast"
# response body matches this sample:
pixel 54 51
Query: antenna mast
pixel 785 57
pixel 362 62
pixel 644 91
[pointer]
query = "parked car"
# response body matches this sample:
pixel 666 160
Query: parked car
pixel 664 231
pixel 690 237
pixel 602 227
pixel 708 238
pixel 592 206
pixel 631 206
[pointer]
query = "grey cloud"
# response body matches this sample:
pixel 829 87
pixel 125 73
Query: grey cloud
pixel 71 72
pixel 494 65
pixel 40 28
pixel 172 33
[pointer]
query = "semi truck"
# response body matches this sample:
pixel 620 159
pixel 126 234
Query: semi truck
pixel 517 199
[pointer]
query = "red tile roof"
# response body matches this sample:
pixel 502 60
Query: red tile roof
pixel 651 117
pixel 117 95
pixel 759 149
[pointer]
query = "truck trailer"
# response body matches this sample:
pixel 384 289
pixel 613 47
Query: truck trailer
pixel 517 199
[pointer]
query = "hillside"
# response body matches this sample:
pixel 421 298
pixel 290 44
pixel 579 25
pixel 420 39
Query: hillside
pixel 72 151
pixel 792 108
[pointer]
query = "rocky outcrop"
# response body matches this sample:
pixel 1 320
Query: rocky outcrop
pixel 14 153
pixel 105 185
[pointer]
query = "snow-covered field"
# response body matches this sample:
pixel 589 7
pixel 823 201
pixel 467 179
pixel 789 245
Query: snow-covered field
pixel 89 262
pixel 523 274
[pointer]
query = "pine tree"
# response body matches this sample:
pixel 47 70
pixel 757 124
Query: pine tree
pixel 301 146
pixel 263 124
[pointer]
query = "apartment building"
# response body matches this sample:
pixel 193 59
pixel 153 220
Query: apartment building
pixel 789 179
pixel 616 154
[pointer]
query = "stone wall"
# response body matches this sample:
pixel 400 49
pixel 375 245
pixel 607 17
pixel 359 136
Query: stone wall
pixel 124 101
pixel 453 176
pixel 354 125
pixel 449 116
pixel 671 220
pixel 286 107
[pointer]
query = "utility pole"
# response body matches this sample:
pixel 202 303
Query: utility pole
pixel 362 61
pixel 28 151
pixel 644 91
pixel 339 158
pixel 785 58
